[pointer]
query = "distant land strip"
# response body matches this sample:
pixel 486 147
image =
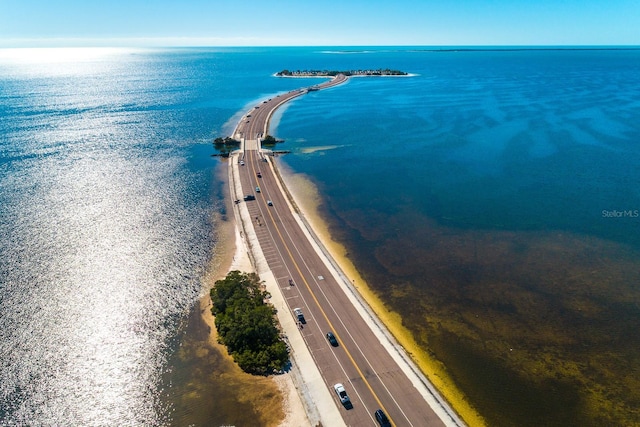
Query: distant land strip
pixel 521 49
pixel 333 73
pixel 446 49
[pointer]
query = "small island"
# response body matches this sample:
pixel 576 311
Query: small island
pixel 333 73
pixel 225 145
pixel 271 141
pixel 247 324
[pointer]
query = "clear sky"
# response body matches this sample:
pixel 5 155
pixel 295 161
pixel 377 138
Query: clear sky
pixel 302 22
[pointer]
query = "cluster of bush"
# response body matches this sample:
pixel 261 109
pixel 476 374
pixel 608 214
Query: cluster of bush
pixel 225 145
pixel 247 325
pixel 270 140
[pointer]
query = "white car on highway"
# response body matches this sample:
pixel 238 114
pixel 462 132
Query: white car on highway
pixel 342 394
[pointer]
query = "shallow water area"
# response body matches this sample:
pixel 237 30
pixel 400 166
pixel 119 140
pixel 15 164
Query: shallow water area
pixel 206 387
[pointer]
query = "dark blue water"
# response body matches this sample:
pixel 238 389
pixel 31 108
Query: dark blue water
pixel 493 185
pixel 499 139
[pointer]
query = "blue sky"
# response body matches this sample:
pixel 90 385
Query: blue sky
pixel 302 22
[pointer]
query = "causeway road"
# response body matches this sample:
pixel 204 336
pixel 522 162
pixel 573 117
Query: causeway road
pixel 374 369
pixel 255 123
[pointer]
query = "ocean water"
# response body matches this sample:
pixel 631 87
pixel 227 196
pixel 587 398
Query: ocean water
pixel 490 198
pixel 107 225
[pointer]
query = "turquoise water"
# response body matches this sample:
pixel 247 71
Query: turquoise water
pixel 491 184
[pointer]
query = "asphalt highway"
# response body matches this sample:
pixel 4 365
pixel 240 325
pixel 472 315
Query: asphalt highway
pixel 372 377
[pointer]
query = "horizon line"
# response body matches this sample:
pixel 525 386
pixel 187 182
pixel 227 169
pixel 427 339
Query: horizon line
pixel 249 42
pixel 432 47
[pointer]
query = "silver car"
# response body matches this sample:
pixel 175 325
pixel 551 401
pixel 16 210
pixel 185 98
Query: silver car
pixel 342 394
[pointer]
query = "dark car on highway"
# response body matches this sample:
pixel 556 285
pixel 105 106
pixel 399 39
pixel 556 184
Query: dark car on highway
pixel 332 339
pixel 382 419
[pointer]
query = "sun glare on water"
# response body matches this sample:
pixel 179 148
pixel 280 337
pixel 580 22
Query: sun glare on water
pixel 58 62
pixel 59 55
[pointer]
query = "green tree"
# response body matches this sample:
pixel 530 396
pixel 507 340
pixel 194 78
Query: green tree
pixel 246 324
pixel 269 140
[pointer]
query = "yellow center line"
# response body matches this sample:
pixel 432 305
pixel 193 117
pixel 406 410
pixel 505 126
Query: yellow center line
pixel 381 406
